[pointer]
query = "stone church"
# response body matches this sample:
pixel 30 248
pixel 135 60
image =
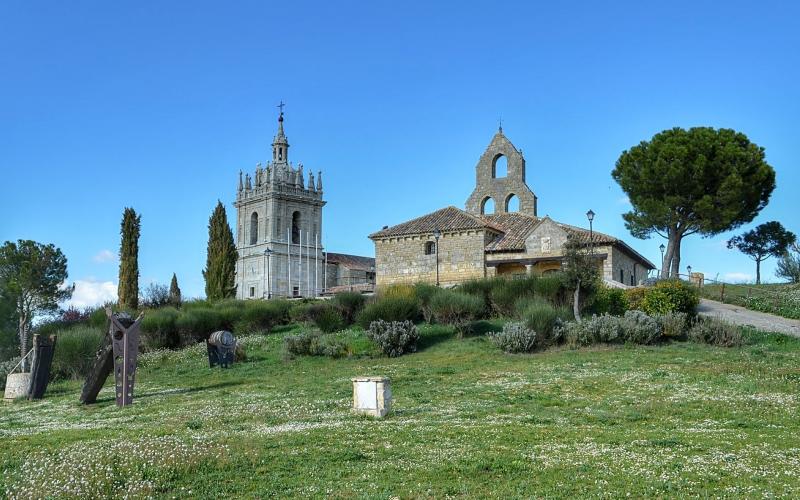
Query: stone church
pixel 499 233
pixel 279 234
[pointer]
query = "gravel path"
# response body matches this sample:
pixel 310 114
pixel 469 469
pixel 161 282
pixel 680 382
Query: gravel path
pixel 742 316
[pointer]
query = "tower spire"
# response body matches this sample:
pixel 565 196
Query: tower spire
pixel 280 144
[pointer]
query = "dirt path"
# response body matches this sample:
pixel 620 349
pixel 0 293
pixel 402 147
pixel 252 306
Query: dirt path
pixel 742 316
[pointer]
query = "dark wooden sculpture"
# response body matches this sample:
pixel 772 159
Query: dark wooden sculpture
pixel 43 350
pixel 117 342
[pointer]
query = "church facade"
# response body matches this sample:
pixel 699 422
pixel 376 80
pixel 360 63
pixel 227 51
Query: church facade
pixel 499 233
pixel 279 230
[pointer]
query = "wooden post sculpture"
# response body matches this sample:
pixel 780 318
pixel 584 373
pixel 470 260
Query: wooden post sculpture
pixel 43 351
pixel 125 341
pixel 118 353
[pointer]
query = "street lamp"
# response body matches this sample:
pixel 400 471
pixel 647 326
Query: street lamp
pixel 267 255
pixel 689 272
pixel 590 216
pixel 436 235
pixel 662 248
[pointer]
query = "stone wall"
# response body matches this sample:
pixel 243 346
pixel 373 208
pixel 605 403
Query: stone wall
pixel 403 260
pixel 622 267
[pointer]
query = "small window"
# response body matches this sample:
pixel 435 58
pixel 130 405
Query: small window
pixel 254 228
pixel 487 206
pixel 295 291
pixel 632 280
pixel 430 248
pixel 621 276
pixel 296 228
pixel 252 291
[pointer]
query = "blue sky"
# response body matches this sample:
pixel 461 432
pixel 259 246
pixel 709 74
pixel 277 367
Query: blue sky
pixel 157 105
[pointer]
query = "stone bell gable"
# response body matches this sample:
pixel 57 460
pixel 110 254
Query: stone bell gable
pixel 498 186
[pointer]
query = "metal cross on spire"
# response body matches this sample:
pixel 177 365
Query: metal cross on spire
pixel 501 125
pixel 281 106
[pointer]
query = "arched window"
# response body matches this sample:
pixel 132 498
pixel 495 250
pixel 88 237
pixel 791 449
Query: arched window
pixel 254 228
pixel 296 228
pixel 430 248
pixel 499 167
pixel 487 206
pixel 280 153
pixel 512 203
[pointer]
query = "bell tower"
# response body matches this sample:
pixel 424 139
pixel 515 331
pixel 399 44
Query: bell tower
pixel 496 187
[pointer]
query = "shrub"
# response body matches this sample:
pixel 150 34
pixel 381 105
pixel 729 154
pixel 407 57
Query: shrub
pixel 505 293
pixel 551 288
pixel 481 288
pixel 639 328
pixel 673 325
pixel 636 327
pixel 398 291
pixel 541 317
pixel 456 309
pixel 634 297
pixel 98 318
pixel 389 308
pixel 515 337
pixel 5 367
pixel 262 315
pixel 394 338
pixel 424 293
pixel 75 350
pixel 715 331
pixel 611 301
pixel 160 330
pixel 298 312
pixel 326 316
pixel 196 324
pixel 350 304
pixel 670 296
pixel 314 343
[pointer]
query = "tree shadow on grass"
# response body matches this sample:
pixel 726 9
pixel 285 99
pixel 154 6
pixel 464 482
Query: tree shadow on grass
pixel 431 335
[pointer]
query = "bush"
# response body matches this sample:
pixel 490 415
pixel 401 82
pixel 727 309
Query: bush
pixel 715 331
pixel 639 328
pixel 456 309
pixel 424 293
pixel 262 315
pixel 5 367
pixel 398 291
pixel 673 325
pixel 394 338
pixel 539 316
pixel 75 350
pixel 160 330
pixel 481 288
pixel 611 301
pixel 505 293
pixel 326 316
pixel 350 304
pixel 98 318
pixel 314 343
pixel 515 337
pixel 634 297
pixel 551 288
pixel 196 324
pixel 298 312
pixel 635 327
pixel 669 296
pixel 389 308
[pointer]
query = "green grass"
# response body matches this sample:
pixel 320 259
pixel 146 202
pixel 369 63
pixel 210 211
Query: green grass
pixel 780 299
pixel 672 420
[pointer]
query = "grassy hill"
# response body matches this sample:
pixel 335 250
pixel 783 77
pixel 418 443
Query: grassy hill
pixel 468 420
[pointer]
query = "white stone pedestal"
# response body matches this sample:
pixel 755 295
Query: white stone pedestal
pixel 372 396
pixel 16 386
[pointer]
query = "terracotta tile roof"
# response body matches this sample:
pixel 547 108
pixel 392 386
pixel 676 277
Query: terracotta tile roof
pixel 516 227
pixel 446 219
pixel 352 261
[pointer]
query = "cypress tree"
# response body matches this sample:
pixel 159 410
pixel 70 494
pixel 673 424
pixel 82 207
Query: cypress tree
pixel 220 271
pixel 174 292
pixel 128 290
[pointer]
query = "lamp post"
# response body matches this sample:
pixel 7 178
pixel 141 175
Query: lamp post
pixel 590 216
pixel 689 273
pixel 267 255
pixel 662 248
pixel 436 235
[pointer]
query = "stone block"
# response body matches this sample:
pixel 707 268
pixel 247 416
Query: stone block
pixel 16 386
pixel 372 396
